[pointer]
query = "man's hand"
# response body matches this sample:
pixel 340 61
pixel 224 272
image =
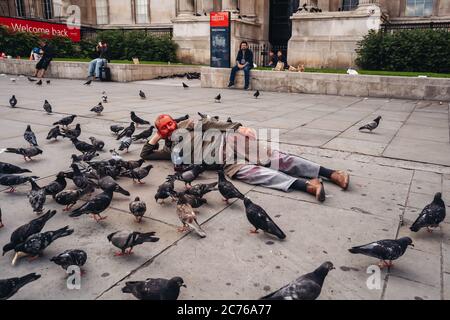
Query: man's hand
pixel 240 66
pixel 155 139
pixel 248 132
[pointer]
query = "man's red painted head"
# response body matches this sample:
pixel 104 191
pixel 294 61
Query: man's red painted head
pixel 165 125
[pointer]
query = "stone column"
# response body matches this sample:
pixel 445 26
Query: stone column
pixel 229 5
pixel 186 7
pixel 368 2
pixel 248 9
pixel 202 6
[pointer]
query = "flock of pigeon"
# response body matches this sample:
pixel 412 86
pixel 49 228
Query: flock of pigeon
pixel 88 175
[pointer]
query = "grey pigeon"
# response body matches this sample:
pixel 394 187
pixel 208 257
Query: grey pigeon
pixel 82 146
pixel 21 234
pixel 9 287
pixel 12 180
pixel 138 208
pixel 138 173
pixel 55 187
pixel 384 250
pixel 13 101
pixel 125 143
pixel 259 218
pixel 97 143
pixel 47 107
pixel 70 258
pixel 54 133
pixel 66 121
pixel 37 243
pixel 68 198
pixel 30 137
pixel 190 175
pixel 155 289
pixel 72 133
pixel 128 240
pixel 431 216
pixel 306 287
pixel 36 197
pixel 166 190
pixel 116 128
pixel 25 152
pixel 194 201
pixel 372 125
pixel 199 190
pixel 98 109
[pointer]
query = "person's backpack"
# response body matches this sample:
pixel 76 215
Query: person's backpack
pixel 105 74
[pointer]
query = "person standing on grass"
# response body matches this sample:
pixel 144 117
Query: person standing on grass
pixel 47 55
pixel 244 61
pixel 102 58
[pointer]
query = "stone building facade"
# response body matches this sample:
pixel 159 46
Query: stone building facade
pixel 320 39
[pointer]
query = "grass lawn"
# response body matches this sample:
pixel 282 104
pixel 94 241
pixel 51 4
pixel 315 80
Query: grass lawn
pixel 374 72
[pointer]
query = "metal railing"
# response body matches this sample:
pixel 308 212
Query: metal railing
pixel 261 53
pixel 392 27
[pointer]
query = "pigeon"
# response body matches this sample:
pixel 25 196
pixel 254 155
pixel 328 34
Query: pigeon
pixel 384 250
pixel 22 233
pixel 128 131
pixel 259 218
pixel 9 287
pixel 306 287
pixel 227 189
pixel 39 83
pixel 13 101
pixel 106 182
pixel 55 187
pixel 30 137
pixel 180 119
pixel 166 190
pixel 82 146
pixel 142 94
pixel 104 99
pixel 185 86
pixel 98 144
pixel 70 258
pixel 218 98
pixel 72 133
pixel 37 243
pixel 138 120
pixel 98 109
pixel 68 198
pixel 125 143
pixel 11 180
pixel 1 219
pixel 207 117
pixel 31 79
pixel 371 126
pixel 128 240
pixel 25 152
pixel 130 165
pixel 13 80
pixel 115 155
pixel 257 94
pixel 88 83
pixel 79 179
pixel 47 107
pixel 48 81
pixel 88 156
pixel 116 128
pixel 431 216
pixel 95 206
pixel 7 168
pixel 36 197
pixel 144 135
pixel 195 202
pixel 66 121
pixel 139 173
pixel 138 208
pixel 189 176
pixel 229 120
pixel 155 289
pixel 199 190
pixel 188 218
pixel 54 133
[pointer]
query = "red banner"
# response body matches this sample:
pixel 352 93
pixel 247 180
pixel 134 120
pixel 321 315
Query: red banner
pixel 45 29
pixel 220 19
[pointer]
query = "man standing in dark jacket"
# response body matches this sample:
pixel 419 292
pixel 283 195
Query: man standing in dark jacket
pixel 244 61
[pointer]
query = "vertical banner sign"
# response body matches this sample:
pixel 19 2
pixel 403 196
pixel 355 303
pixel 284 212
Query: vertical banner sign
pixel 220 39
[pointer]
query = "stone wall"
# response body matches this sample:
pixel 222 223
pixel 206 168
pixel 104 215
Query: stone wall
pixel 79 70
pixel 334 84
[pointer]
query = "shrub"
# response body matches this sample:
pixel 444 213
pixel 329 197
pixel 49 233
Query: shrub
pixel 123 45
pixel 408 50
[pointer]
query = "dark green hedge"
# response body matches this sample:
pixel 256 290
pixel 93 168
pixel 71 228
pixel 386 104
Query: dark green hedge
pixel 407 50
pixel 122 45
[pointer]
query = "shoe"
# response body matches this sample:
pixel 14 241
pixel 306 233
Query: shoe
pixel 341 178
pixel 316 188
pixel 230 85
pixel 247 89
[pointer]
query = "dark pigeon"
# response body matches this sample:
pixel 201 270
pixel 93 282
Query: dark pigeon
pixel 144 135
pixel 36 197
pixel 55 187
pixel 82 146
pixel 95 206
pixel 98 109
pixel 72 133
pixel 70 258
pixel 227 189
pixel 11 180
pixel 97 143
pixel 68 198
pixel 190 175
pixel 139 173
pixel 431 216
pixel 30 137
pixel 166 190
pixel 66 121
pixel 13 101
pixel 9 287
pixel 128 240
pixel 199 190
pixel 372 125
pixel 257 94
pixel 54 133
pixel 138 208
pixel 127 132
pixel 116 128
pixel 137 120
pixel 218 98
pixel 155 289
pixel 25 152
pixel 142 94
pixel 7 168
pixel 47 107
pixel 259 218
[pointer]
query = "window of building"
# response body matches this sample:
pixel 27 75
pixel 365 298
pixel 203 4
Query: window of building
pixel 141 7
pixel 419 8
pixel 348 5
pixel 20 8
pixel 47 9
pixel 102 11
